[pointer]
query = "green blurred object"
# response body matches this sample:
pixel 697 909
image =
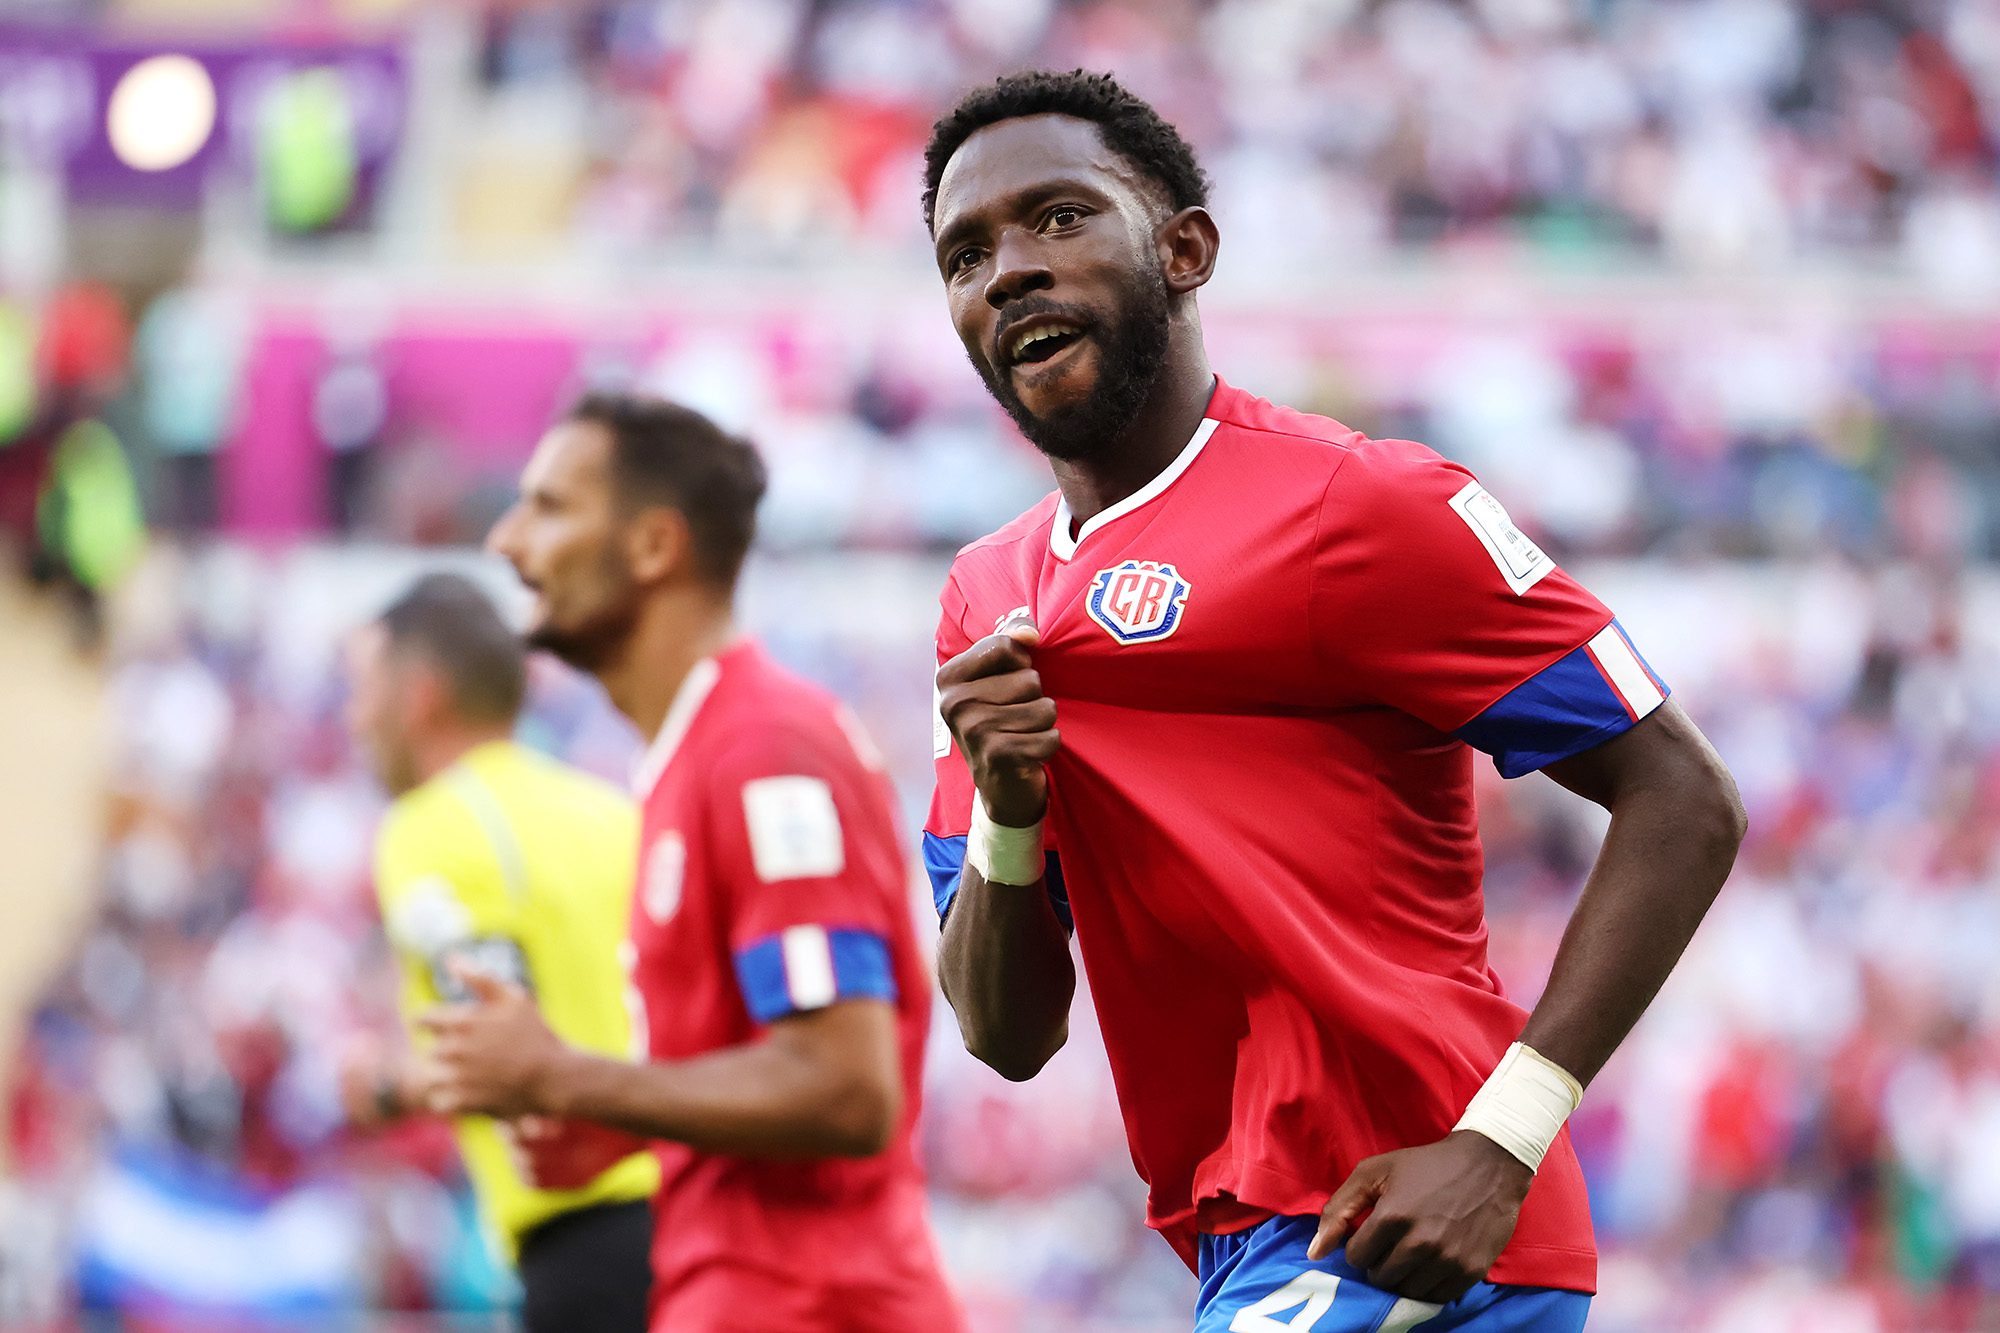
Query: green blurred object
pixel 17 372
pixel 89 514
pixel 1925 1242
pixel 306 148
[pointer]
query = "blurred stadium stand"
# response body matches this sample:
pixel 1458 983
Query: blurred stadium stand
pixel 1704 288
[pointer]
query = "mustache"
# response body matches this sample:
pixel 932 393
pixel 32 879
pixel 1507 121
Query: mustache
pixel 1033 308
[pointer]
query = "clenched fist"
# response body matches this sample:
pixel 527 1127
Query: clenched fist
pixel 1437 1216
pixel 991 698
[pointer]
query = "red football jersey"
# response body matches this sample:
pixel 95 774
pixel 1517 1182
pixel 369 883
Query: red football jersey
pixel 772 881
pixel 1268 667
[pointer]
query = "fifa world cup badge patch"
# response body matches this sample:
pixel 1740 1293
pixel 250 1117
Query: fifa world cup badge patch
pixel 666 867
pixel 1138 601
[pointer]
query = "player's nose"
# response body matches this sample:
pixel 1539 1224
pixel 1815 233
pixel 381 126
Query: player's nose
pixel 1018 268
pixel 500 537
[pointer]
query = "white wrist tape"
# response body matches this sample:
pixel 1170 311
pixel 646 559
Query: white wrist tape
pixel 1522 1107
pixel 1000 854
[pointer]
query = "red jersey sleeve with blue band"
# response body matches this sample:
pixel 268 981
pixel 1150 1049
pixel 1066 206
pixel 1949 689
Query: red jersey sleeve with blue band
pixel 807 926
pixel 952 796
pixel 1428 597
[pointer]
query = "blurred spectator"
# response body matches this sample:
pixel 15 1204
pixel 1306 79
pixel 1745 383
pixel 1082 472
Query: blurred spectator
pixel 1805 1123
pixel 1799 482
pixel 1721 132
pixel 89 522
pixel 1714 426
pixel 350 406
pixel 189 349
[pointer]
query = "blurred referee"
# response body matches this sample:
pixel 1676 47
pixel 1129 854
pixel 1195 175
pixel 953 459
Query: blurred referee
pixel 496 859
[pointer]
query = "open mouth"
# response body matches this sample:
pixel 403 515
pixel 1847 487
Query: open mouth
pixel 1042 343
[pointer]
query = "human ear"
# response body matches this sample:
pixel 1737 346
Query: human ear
pixel 658 543
pixel 1188 243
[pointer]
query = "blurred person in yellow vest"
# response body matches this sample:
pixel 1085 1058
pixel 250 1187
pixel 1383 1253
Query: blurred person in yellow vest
pixel 90 522
pixel 498 860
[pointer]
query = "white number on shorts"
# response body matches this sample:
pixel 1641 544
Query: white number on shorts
pixel 1406 1314
pixel 1312 1289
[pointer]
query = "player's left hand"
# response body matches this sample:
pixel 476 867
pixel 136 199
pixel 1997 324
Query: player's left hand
pixel 494 1056
pixel 1437 1216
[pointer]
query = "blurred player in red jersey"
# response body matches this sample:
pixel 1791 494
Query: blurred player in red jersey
pixel 783 1001
pixel 1215 701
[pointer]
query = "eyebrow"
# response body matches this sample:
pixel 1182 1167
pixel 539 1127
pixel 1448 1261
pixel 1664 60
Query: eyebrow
pixel 1018 202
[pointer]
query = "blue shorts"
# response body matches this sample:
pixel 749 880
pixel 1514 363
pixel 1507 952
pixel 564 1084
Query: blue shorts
pixel 1260 1281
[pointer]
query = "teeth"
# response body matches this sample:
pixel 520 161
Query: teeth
pixel 1033 336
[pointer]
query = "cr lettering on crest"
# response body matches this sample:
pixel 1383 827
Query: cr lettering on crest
pixel 1138 601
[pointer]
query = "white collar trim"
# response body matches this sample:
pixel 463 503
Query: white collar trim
pixel 1064 546
pixel 688 699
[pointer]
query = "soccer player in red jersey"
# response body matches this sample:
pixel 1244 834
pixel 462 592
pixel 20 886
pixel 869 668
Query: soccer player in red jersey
pixel 784 1003
pixel 1216 700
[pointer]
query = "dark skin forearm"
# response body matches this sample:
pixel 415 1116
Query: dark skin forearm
pixel 761 1100
pixel 1005 967
pixel 1004 959
pixel 1676 822
pixel 1437 1215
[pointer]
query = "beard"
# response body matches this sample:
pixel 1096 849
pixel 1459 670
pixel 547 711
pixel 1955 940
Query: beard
pixel 1131 353
pixel 591 640
pixel 588 646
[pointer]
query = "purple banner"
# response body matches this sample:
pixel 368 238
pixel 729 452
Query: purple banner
pixel 151 121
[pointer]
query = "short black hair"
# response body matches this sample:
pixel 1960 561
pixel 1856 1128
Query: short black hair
pixel 664 453
pixel 450 623
pixel 1130 126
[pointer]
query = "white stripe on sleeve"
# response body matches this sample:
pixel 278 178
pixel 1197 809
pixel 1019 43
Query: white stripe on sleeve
pixel 1621 666
pixel 808 967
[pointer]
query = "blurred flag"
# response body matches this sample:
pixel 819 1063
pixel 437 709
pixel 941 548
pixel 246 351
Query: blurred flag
pixel 160 1234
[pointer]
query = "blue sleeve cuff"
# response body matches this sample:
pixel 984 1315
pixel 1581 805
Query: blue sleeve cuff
pixel 810 967
pixel 944 861
pixel 1575 704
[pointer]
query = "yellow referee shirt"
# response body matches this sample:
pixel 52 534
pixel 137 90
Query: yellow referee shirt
pixel 523 868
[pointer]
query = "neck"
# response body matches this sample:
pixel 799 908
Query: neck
pixel 450 742
pixel 674 631
pixel 1152 439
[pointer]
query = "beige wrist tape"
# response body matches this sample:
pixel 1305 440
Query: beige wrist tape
pixel 1000 854
pixel 1522 1107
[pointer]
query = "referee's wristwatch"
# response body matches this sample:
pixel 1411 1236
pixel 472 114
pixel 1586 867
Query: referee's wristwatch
pixel 388 1095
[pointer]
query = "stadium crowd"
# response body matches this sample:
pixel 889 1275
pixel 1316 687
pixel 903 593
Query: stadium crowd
pixel 1735 133
pixel 1721 429
pixel 1721 131
pixel 1805 1124
pixel 1790 508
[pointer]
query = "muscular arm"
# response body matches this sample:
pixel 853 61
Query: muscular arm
pixel 1004 960
pixel 826 1083
pixel 1438 1215
pixel 1676 822
pixel 1005 968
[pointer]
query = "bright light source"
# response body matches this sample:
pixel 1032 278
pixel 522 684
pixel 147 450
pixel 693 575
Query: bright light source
pixel 161 113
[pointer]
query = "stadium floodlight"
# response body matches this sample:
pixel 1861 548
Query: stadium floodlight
pixel 161 112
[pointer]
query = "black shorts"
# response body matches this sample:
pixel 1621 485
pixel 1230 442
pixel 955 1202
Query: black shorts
pixel 589 1271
